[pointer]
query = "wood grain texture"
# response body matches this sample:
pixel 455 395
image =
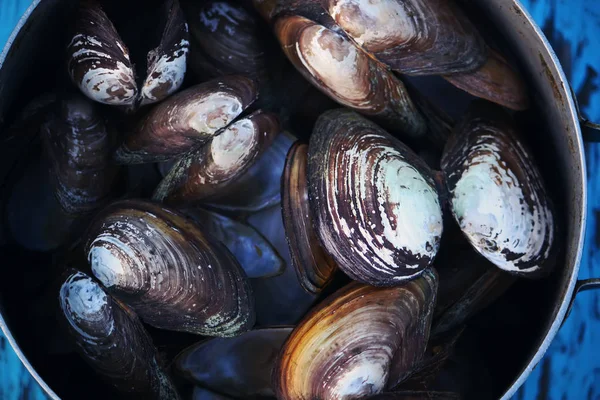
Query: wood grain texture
pixel 571 367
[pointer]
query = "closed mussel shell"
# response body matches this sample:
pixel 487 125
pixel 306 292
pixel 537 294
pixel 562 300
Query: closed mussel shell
pixel 98 60
pixel 205 175
pixel 173 275
pixel 112 340
pixel 253 251
pixel 227 39
pixel 79 147
pixel 187 120
pixel 332 63
pixel 167 63
pixel 375 203
pixel 418 37
pixel 205 394
pixel 358 342
pixel 497 194
pixel 315 268
pixel 240 367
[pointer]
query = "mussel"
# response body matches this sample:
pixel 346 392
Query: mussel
pixel 99 61
pixel 227 39
pixel 112 340
pixel 315 268
pixel 358 342
pixel 348 75
pixel 79 147
pixel 241 367
pixel 210 172
pixel 187 120
pixel 497 194
pixel 252 250
pixel 205 394
pixel 170 272
pixel 75 175
pixel 375 203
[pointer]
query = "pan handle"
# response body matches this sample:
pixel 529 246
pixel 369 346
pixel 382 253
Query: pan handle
pixel 589 130
pixel 582 285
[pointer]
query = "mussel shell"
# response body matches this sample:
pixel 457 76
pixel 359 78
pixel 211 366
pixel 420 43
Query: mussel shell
pixel 332 63
pixel 239 367
pixel 79 147
pixel 99 62
pixel 375 203
pixel 416 395
pixel 252 250
pixel 497 194
pixel 315 268
pixel 419 37
pixel 496 81
pixel 261 184
pixel 167 63
pixel 187 120
pixel 174 275
pixel 280 300
pixel 358 342
pixel 205 174
pixel 227 39
pixel 112 340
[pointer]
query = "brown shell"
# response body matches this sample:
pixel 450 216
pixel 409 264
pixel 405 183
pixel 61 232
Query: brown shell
pixel 240 367
pixel 315 268
pixel 358 342
pixel 79 146
pixel 174 275
pixel 204 175
pixel 375 202
pixel 418 37
pixel 496 81
pixel 112 340
pixel 497 194
pixel 339 69
pixel 187 120
pixel 99 61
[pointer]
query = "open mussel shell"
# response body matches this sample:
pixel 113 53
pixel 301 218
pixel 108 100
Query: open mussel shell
pixel 252 250
pixel 79 147
pixel 187 120
pixel 99 61
pixel 497 194
pixel 112 340
pixel 332 63
pixel 496 81
pixel 418 37
pixel 240 367
pixel 206 174
pixel 227 39
pixel 174 275
pixel 315 268
pixel 375 203
pixel 358 342
pixel 416 395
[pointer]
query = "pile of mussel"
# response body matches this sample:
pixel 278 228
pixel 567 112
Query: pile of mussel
pixel 266 176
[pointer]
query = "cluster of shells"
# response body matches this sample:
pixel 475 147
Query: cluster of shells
pixel 263 185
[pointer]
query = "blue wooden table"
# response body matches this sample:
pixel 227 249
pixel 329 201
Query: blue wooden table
pixel 571 368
